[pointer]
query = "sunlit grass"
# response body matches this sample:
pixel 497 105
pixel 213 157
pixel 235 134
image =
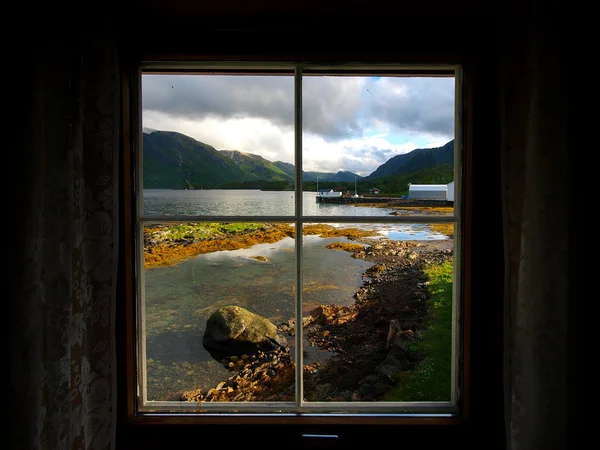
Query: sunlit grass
pixel 431 379
pixel 206 230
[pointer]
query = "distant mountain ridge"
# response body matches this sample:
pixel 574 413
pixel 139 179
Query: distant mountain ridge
pixel 175 161
pixel 258 166
pixel 342 175
pixel 416 160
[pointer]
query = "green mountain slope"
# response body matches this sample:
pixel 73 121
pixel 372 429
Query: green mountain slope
pixel 288 168
pixel 257 165
pixel 174 161
pixel 416 160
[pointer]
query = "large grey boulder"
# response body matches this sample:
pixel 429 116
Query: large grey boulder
pixel 233 330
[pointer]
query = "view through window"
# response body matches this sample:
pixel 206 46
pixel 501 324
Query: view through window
pixel 299 240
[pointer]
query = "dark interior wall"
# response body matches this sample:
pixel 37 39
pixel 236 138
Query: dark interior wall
pixel 349 30
pixel 366 31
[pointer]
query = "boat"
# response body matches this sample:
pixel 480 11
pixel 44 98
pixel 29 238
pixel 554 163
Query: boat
pixel 321 193
pixel 328 193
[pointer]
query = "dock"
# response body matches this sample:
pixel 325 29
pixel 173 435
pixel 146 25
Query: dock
pixel 388 200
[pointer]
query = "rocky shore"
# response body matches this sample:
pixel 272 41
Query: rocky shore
pixel 367 340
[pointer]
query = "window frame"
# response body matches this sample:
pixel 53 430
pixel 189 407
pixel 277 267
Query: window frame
pixel 132 132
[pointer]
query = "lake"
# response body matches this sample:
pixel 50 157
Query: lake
pixel 179 299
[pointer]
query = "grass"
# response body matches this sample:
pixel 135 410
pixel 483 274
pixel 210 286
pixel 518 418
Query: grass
pixel 431 380
pixel 201 230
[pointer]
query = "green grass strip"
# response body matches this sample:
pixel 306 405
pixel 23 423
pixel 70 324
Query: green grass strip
pixel 207 230
pixel 431 379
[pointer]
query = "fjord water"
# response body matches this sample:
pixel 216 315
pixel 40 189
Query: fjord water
pixel 179 299
pixel 241 202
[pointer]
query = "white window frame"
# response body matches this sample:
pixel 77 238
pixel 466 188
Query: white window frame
pixel 147 408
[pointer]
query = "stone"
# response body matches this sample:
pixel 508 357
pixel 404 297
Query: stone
pixel 234 331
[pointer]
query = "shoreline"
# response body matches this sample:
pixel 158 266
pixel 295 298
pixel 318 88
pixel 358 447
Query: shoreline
pixel 163 251
pixel 357 335
pixel 270 376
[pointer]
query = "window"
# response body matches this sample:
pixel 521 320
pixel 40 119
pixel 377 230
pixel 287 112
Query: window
pixel 271 195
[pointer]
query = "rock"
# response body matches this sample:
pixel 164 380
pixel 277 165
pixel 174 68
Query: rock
pixel 372 387
pixel 394 328
pixel 233 330
pixel 332 315
pixel 394 362
pixel 388 373
pixel 392 366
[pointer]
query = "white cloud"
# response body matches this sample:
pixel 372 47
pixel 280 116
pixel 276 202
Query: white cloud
pixel 349 123
pixel 361 155
pixel 251 135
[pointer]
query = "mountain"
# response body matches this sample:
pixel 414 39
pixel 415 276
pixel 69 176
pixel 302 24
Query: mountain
pixel 342 175
pixel 415 161
pixel 258 166
pixel 174 160
pixel 288 168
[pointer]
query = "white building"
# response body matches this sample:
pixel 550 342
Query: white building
pixel 450 194
pixel 428 191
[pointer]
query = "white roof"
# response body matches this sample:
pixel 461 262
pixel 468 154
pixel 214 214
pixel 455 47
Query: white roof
pixel 428 187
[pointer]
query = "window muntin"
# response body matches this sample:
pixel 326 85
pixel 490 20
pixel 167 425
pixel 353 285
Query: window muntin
pixel 151 215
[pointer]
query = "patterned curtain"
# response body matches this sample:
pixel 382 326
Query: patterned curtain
pixel 534 103
pixel 62 362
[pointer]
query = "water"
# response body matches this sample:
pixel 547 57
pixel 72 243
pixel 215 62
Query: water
pixel 243 202
pixel 179 299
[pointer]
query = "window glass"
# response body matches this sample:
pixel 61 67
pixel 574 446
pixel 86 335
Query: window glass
pixel 238 246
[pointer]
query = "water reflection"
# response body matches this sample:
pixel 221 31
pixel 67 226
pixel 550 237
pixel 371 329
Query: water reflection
pixel 217 202
pixel 180 299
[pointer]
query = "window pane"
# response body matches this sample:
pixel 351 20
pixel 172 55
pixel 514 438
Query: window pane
pixel 215 294
pixel 378 324
pixel 220 288
pixel 218 145
pixel 382 145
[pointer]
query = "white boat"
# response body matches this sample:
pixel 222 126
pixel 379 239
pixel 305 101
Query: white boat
pixel 355 193
pixel 328 193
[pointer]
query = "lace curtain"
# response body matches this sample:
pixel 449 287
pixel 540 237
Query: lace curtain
pixel 62 362
pixel 61 313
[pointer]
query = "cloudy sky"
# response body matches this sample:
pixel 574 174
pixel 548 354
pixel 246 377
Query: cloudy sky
pixel 349 123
